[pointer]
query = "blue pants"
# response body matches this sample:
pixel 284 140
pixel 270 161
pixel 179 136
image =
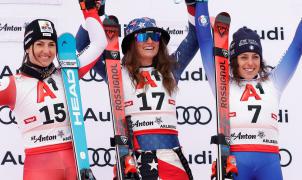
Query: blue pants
pixel 258 166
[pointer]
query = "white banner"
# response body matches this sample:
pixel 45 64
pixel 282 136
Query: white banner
pixel 274 20
pixel 53 2
pixel 12 28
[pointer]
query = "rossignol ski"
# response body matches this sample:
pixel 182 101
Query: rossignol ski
pixel 69 70
pixel 226 164
pixel 122 141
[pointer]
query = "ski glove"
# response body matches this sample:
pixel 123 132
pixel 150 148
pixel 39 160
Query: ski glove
pixel 87 4
pixel 101 10
pixel 86 174
pixel 192 2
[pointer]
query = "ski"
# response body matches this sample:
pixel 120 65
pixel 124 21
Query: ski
pixel 125 165
pixel 225 164
pixel 69 69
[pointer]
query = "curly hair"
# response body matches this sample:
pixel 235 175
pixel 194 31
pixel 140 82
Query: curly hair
pixel 162 62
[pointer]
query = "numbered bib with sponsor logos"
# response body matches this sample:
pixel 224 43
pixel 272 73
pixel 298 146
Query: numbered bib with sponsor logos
pixel 148 103
pixel 253 115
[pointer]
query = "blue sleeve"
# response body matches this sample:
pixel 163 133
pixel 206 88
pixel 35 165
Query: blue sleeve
pixel 287 66
pixel 185 52
pixel 205 40
pixel 82 41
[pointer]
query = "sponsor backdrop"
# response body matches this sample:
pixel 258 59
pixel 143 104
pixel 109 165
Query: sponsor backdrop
pixel 274 20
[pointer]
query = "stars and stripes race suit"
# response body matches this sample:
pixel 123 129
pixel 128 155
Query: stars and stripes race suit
pixel 41 111
pixel 253 107
pixel 153 114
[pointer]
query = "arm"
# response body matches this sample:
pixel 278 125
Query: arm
pixel 188 47
pixel 82 42
pixel 205 40
pixel 8 92
pixel 89 55
pixel 287 66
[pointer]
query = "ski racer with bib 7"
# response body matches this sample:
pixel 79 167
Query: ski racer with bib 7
pixel 150 76
pixel 37 97
pixel 255 92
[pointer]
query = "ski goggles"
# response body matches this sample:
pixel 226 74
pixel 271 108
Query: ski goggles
pixel 143 37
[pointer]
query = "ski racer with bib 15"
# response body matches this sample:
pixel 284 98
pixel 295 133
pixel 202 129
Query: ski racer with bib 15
pixel 37 97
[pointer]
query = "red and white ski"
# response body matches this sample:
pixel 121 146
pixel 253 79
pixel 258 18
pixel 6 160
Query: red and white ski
pixel 226 164
pixel 122 141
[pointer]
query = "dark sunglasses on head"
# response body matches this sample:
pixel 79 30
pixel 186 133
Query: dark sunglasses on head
pixel 143 37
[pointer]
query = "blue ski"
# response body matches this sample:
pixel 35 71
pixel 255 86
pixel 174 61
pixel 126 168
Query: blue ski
pixel 69 68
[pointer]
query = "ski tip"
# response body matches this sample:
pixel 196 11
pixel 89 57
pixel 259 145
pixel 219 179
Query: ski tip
pixel 111 20
pixel 223 17
pixel 66 41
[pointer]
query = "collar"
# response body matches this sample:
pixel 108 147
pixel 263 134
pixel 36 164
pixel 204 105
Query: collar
pixel 36 71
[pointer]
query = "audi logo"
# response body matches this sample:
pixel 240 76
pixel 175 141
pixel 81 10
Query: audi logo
pixel 193 115
pixel 102 157
pixel 92 76
pixel 9 118
pixel 285 157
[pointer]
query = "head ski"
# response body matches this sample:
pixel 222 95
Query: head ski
pixel 69 68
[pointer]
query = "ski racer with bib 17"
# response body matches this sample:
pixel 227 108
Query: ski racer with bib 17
pixel 150 76
pixel 36 95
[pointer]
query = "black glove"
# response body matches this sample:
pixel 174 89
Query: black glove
pixel 101 10
pixel 193 2
pixel 190 2
pixel 86 174
pixel 87 4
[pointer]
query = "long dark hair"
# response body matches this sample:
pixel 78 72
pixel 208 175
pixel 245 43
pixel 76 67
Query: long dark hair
pixel 263 71
pixel 162 62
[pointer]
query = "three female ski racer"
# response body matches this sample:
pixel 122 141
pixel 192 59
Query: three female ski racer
pixel 255 92
pixel 150 78
pixel 37 97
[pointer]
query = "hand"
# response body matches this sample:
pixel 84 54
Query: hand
pixel 86 174
pixel 190 2
pixel 100 5
pixel 87 4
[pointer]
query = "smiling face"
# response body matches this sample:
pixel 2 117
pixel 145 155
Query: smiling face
pixel 248 65
pixel 42 52
pixel 146 51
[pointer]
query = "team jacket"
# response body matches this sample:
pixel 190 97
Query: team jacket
pixel 253 104
pixel 152 110
pixel 40 106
